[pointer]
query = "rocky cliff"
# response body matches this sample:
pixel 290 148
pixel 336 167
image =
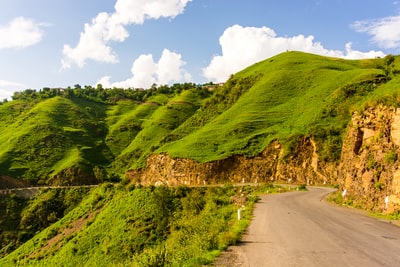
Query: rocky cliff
pixel 368 169
pixel 300 168
pixel 369 172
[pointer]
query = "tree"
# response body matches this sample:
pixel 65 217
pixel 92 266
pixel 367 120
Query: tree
pixel 388 60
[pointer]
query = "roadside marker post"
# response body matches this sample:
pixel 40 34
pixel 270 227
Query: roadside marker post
pixel 386 202
pixel 239 214
pixel 344 193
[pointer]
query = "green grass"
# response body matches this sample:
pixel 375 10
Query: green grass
pixel 283 98
pixel 293 94
pixel 155 127
pixel 45 139
pixel 23 218
pixel 135 226
pixel 37 143
pixel 65 139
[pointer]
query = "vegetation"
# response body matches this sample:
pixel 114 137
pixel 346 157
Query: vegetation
pixel 292 94
pixel 86 135
pixel 146 226
pixel 22 218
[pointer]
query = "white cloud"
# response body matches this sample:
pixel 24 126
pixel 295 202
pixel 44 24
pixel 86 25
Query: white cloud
pixel 7 88
pixel 135 12
pixel 20 33
pixel 385 32
pixel 145 72
pixel 355 54
pixel 244 46
pixel 94 42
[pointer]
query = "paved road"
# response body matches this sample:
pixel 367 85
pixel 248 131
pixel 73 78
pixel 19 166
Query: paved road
pixel 298 229
pixel 46 187
pixel 29 192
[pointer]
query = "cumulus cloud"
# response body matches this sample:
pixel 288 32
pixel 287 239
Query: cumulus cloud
pixel 243 46
pixel 20 33
pixel 385 32
pixel 7 88
pixel 145 72
pixel 94 42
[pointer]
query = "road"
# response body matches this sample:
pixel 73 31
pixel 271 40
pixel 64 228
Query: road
pixel 29 192
pixel 300 229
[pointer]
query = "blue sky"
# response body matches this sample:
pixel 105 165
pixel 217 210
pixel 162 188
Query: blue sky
pixel 135 43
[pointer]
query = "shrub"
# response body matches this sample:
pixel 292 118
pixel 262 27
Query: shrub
pixel 391 157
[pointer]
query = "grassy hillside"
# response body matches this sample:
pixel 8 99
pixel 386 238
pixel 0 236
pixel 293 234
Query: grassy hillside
pixel 94 135
pixel 40 139
pixel 288 95
pixel 135 226
pixel 89 135
pixel 78 139
pixel 22 218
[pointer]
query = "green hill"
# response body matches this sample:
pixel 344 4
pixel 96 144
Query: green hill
pixel 42 139
pixel 88 135
pixel 95 135
pixel 131 226
pixel 290 94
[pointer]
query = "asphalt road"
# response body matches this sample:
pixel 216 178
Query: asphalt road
pixel 300 229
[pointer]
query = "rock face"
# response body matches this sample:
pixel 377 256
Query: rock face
pixel 368 169
pixel 301 168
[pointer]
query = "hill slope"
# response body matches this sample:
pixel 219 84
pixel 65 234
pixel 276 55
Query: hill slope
pixel 291 94
pixel 296 117
pixel 138 226
pixel 89 135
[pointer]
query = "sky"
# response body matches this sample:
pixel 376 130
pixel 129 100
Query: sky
pixel 136 43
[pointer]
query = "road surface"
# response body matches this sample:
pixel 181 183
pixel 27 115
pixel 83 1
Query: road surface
pixel 299 229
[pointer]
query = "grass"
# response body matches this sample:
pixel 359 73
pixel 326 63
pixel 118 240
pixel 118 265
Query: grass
pixel 145 226
pixel 23 218
pixel 44 139
pixel 283 98
pixel 155 127
pixel 286 97
pixel 39 140
pixel 291 94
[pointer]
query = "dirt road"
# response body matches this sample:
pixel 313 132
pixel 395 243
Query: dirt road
pixel 298 229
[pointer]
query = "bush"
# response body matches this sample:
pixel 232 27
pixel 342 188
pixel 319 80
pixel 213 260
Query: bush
pixel 391 157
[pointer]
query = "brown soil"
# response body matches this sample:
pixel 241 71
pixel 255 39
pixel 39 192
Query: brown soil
pixel 7 182
pixel 57 240
pixel 232 257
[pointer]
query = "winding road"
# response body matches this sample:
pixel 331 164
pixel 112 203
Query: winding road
pixel 300 229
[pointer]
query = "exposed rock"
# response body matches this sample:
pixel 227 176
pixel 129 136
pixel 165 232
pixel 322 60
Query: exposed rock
pixel 368 168
pixel 300 168
pixel 395 133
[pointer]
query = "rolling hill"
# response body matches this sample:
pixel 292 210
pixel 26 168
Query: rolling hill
pixel 88 135
pixel 296 117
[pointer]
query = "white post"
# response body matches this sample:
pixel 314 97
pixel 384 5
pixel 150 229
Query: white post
pixel 239 214
pixel 386 201
pixel 344 193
